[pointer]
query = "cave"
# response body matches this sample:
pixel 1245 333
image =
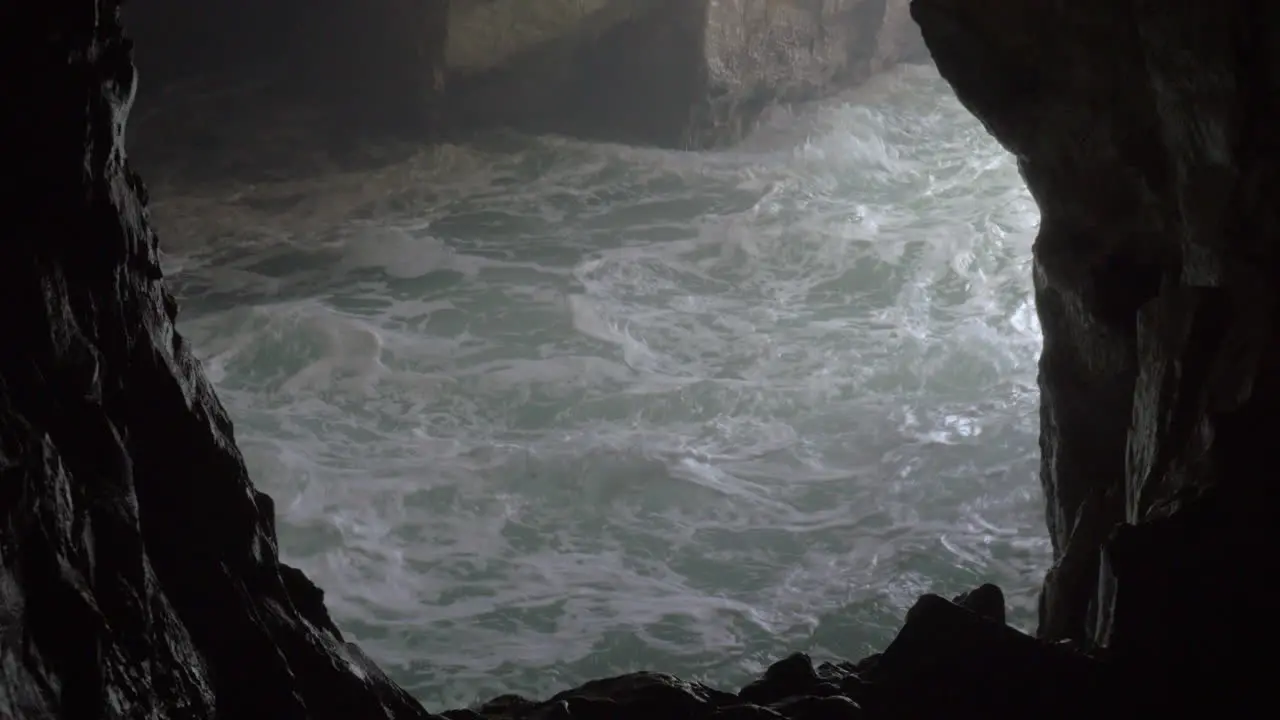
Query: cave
pixel 142 571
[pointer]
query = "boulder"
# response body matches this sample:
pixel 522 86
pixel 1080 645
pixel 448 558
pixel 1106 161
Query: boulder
pixel 949 661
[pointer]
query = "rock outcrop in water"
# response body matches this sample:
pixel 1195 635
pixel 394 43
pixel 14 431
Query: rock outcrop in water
pixel 139 575
pixel 672 73
pixel 238 84
pixel 246 88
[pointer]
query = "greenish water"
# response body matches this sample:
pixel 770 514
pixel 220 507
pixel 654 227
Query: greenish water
pixel 540 410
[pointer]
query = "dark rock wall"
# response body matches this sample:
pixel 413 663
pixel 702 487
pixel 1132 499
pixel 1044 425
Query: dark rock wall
pixel 1146 132
pixel 139 575
pixel 237 88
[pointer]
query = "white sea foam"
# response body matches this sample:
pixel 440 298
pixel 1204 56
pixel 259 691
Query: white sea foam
pixel 539 410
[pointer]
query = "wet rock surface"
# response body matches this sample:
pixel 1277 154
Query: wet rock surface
pixel 1145 134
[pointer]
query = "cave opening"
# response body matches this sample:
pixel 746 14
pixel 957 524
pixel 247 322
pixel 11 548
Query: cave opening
pixel 537 409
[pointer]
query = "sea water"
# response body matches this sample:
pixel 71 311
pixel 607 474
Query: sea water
pixel 536 410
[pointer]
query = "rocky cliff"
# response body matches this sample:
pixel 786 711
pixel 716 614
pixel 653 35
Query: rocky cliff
pixel 139 574
pixel 1145 133
pixel 672 73
pixel 243 88
pixel 235 86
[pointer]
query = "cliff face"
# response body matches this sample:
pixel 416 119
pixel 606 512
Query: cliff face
pixel 236 87
pixel 1146 134
pixel 139 576
pixel 672 73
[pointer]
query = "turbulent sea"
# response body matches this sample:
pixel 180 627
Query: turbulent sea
pixel 536 410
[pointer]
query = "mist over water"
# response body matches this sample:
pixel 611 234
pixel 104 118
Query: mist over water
pixel 539 410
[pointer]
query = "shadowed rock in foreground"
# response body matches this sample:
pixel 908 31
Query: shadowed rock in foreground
pixel 139 572
pixel 1146 133
pixel 951 659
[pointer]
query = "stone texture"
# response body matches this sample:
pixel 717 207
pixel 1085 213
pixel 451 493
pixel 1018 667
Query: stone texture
pixel 139 575
pixel 1145 132
pixel 672 73
pixel 246 90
